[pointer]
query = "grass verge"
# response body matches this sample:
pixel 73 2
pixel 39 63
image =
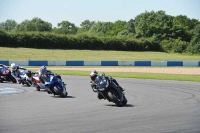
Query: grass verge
pixel 90 55
pixel 177 77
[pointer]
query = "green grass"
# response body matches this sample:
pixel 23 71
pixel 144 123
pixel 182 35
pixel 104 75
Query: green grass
pixel 137 75
pixel 90 55
pixel 178 77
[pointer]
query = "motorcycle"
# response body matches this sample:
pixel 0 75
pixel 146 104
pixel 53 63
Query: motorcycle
pixel 36 82
pixel 109 90
pixel 5 74
pixel 55 86
pixel 26 77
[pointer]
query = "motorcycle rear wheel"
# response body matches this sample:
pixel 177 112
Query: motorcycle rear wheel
pixel 13 79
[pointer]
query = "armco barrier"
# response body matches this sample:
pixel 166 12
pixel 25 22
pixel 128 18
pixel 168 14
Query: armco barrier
pixel 101 63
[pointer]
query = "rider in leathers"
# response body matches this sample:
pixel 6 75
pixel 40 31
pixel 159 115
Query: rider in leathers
pixel 45 76
pixel 15 72
pixel 93 76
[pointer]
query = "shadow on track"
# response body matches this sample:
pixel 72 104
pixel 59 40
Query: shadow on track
pixel 113 105
pixel 57 96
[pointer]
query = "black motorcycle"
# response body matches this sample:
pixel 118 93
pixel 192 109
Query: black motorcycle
pixel 109 90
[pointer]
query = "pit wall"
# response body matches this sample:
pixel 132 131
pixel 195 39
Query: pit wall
pixel 100 63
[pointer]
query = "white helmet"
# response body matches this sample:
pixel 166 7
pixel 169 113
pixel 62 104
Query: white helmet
pixel 13 66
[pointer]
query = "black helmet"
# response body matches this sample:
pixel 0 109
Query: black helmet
pixel 93 75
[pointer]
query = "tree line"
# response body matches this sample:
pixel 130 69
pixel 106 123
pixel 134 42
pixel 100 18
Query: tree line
pixel 172 33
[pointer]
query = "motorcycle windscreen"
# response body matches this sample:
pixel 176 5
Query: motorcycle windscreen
pixel 101 82
pixel 47 78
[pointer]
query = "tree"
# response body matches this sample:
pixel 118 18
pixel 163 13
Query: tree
pixel 182 27
pixel 41 25
pixel 36 24
pixel 184 21
pixel 65 27
pixel 131 26
pixel 117 27
pixel 8 25
pixel 152 23
pixel 195 41
pixel 101 28
pixel 87 24
pixel 23 26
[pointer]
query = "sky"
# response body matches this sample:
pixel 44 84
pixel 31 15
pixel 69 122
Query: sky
pixel 76 11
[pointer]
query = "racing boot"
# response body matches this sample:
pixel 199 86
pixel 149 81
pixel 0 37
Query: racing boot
pixel 19 81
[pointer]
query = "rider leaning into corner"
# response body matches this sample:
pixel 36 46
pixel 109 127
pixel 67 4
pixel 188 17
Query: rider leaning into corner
pixel 44 75
pixel 93 76
pixel 15 72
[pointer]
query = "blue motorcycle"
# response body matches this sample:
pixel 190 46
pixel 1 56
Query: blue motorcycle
pixel 55 86
pixel 5 74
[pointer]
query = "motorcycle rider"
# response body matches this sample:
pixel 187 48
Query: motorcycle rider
pixel 44 75
pixel 93 76
pixel 15 72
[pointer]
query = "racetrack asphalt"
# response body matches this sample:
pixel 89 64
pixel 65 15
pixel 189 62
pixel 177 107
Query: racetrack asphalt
pixel 154 106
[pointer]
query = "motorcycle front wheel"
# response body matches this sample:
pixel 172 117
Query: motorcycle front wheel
pixel 38 88
pixel 55 89
pixel 28 83
pixel 114 98
pixel 124 102
pixel 13 79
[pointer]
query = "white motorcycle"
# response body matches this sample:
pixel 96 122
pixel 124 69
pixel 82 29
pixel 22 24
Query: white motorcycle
pixel 26 77
pixel 36 81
